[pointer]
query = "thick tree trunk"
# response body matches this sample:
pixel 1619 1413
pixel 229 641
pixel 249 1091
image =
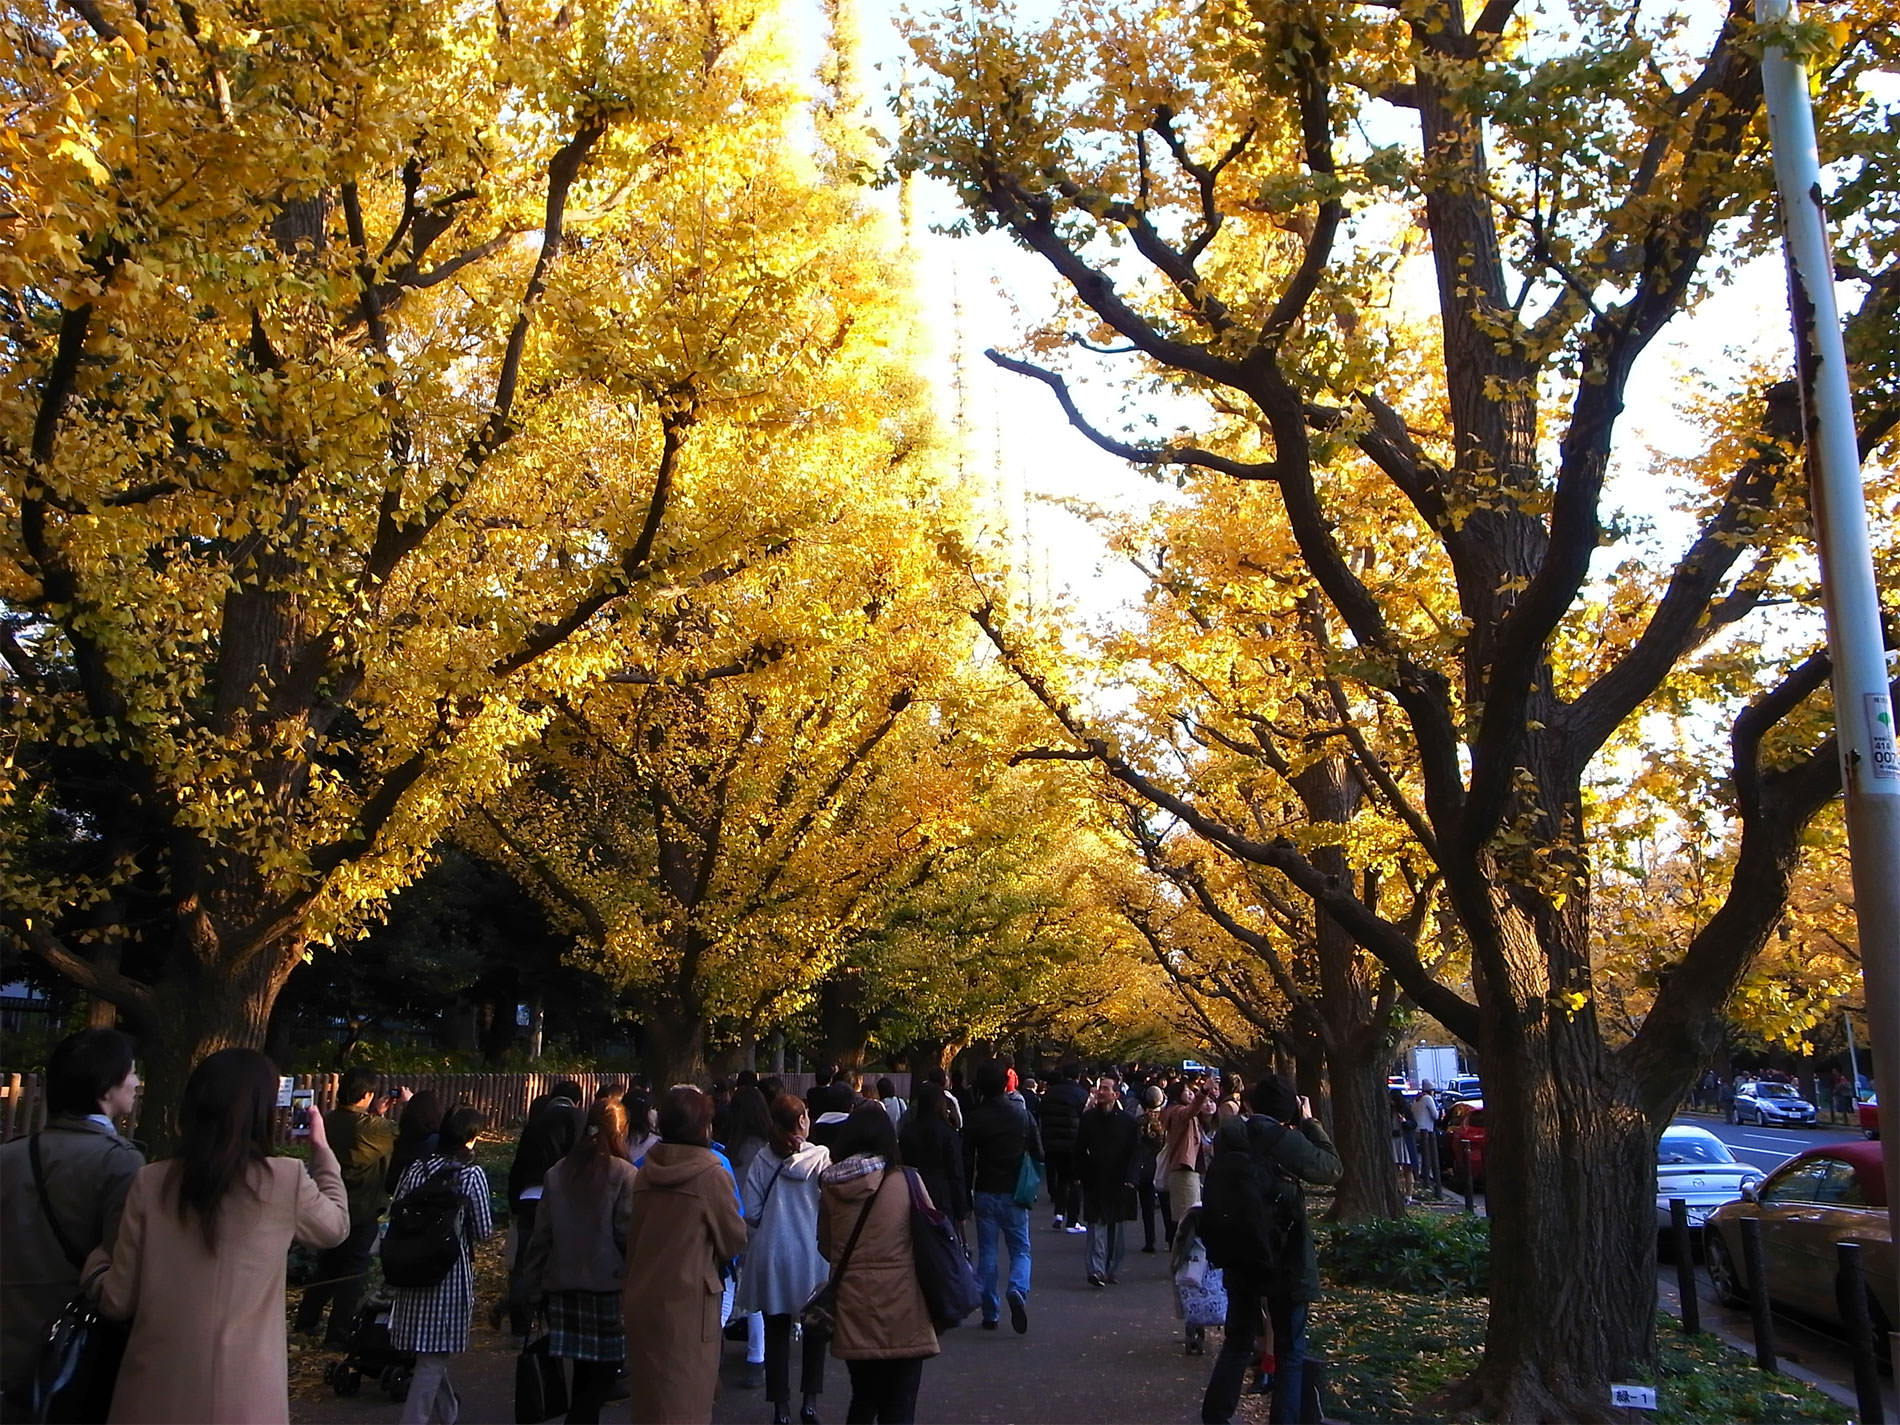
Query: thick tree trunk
pixel 1575 1308
pixel 1368 1185
pixel 197 1011
pixel 675 1049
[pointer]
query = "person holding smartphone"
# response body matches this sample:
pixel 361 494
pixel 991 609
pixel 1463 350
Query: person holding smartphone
pixel 363 1141
pixel 1293 1149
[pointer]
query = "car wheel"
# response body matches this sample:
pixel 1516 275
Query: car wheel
pixel 1722 1274
pixel 1872 1133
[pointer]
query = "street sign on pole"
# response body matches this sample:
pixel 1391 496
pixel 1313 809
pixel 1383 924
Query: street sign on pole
pixel 1863 707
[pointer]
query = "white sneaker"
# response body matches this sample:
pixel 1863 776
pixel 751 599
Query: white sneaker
pixel 1058 1222
pixel 1075 1227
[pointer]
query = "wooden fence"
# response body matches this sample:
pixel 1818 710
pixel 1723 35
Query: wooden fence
pixel 504 1098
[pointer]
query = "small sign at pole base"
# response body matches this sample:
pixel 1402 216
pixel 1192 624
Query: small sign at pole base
pixel 1633 1397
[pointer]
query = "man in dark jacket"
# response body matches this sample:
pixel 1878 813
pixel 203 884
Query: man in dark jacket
pixel 85 1167
pixel 363 1141
pixel 1061 1119
pixel 1105 1168
pixel 997 1135
pixel 1292 1149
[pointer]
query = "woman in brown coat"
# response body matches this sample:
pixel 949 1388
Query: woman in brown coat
pixel 883 1332
pixel 199 1260
pixel 684 1223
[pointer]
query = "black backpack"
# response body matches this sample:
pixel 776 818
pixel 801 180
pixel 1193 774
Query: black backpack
pixel 1250 1209
pixel 426 1227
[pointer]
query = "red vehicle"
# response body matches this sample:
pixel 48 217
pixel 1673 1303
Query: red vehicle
pixel 1462 1135
pixel 1870 1117
pixel 1808 1206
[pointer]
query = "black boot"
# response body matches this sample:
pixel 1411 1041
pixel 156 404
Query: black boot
pixel 808 1412
pixel 781 1412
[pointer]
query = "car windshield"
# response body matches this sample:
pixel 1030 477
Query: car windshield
pixel 1773 1091
pixel 1693 1150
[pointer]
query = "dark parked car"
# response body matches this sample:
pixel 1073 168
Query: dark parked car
pixel 1835 1193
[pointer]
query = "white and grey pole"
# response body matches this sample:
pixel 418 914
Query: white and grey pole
pixel 1863 707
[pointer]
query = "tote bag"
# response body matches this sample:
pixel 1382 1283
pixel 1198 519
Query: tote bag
pixel 943 1272
pixel 1028 1182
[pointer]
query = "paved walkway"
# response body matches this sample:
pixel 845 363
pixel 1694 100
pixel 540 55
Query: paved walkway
pixel 1093 1356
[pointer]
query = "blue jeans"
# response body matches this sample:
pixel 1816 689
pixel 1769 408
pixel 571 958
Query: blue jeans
pixel 998 1216
pixel 1244 1304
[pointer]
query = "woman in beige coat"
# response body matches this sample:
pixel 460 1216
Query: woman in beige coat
pixel 684 1224
pixel 199 1260
pixel 883 1332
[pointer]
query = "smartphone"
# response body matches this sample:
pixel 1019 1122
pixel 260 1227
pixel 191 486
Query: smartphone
pixel 301 1107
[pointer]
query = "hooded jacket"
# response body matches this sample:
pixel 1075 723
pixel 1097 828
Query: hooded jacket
pixel 684 1223
pixel 782 1265
pixel 881 1313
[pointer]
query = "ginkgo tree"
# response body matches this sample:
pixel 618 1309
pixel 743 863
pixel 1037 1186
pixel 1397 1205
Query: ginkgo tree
pixel 374 375
pixel 1228 197
pixel 715 843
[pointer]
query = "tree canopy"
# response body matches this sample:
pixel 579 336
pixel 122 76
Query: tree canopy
pixel 1230 201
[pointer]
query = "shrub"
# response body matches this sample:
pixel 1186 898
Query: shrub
pixel 1425 1255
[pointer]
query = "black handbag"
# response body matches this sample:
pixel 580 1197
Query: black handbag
pixel 820 1311
pixel 540 1386
pixel 943 1272
pixel 77 1364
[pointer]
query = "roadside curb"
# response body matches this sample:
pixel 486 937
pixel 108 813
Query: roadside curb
pixel 1669 1299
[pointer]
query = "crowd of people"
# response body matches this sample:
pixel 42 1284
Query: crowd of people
pixel 646 1228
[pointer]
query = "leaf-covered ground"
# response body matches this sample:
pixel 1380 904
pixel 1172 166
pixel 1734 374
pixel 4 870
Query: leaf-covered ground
pixel 1389 1353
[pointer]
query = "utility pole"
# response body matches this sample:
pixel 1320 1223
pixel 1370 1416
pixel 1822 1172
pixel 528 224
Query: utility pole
pixel 1863 705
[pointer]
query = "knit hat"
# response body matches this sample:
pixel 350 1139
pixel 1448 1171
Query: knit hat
pixel 1152 1097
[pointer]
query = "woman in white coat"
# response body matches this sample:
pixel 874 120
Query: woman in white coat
pixel 782 1265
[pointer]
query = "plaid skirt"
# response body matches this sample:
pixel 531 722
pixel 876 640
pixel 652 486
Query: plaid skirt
pixel 585 1326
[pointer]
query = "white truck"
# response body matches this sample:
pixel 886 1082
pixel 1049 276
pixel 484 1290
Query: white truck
pixel 1436 1064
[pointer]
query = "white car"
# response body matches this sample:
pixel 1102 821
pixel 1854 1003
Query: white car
pixel 1769 1103
pixel 1696 1166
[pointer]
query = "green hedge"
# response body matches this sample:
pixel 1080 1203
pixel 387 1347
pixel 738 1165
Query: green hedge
pixel 1422 1256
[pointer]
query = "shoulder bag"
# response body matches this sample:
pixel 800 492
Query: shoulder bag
pixel 77 1364
pixel 820 1311
pixel 1028 1181
pixel 540 1388
pixel 943 1272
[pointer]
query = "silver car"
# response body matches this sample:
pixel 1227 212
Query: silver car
pixel 1766 1103
pixel 1696 1166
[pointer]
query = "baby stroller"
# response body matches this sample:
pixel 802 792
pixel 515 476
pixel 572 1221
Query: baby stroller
pixel 370 1354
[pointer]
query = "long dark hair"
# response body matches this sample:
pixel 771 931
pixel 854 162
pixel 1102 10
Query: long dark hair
pixel 227 1123
pixel 868 1132
pixel 421 1120
pixel 747 1118
pixel 931 1106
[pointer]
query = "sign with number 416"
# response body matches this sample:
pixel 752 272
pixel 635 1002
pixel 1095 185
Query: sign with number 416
pixel 1633 1397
